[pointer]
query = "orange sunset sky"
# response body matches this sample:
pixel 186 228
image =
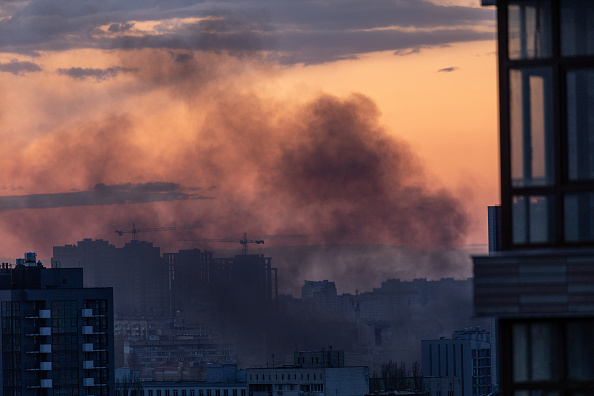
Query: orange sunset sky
pixel 370 122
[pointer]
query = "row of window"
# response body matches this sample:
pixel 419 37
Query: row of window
pixel 262 377
pixel 547 122
pixel 180 392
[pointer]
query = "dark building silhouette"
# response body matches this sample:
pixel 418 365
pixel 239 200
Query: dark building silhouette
pixel 57 337
pixel 136 272
pixel 540 284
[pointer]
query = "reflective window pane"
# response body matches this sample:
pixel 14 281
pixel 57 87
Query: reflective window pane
pixel 580 124
pixel 529 29
pixel 532 219
pixel 577 29
pixel 534 352
pixel 579 217
pixel 531 127
pixel 580 350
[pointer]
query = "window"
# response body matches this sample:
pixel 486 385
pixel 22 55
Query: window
pixel 533 218
pixel 531 126
pixel 534 349
pixel 529 29
pixel 577 30
pixel 580 124
pixel 184 392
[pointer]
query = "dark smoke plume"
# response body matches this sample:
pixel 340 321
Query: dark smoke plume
pixel 324 167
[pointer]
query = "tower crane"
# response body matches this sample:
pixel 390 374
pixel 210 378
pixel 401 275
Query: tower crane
pixel 244 241
pixel 134 231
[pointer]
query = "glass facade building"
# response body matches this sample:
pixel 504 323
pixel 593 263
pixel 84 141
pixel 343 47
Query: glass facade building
pixel 540 285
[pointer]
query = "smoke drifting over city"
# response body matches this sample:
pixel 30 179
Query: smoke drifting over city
pixel 117 113
pixel 195 127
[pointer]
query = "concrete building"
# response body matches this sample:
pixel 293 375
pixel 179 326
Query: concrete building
pixel 221 380
pixel 57 337
pixel 467 355
pixel 540 284
pixel 315 373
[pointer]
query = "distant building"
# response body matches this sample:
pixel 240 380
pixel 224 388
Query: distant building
pixel 315 373
pixel 145 356
pixel 320 298
pixel 57 337
pixel 221 380
pixel 323 358
pixel 467 355
pixel 136 272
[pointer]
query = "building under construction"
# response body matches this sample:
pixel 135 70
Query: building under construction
pixel 199 282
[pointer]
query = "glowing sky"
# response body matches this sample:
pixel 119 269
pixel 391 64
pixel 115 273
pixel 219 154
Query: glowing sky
pixel 346 121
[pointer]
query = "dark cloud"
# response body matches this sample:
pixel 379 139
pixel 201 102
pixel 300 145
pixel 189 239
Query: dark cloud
pixel 448 69
pixel 80 73
pixel 19 68
pixel 120 27
pixel 100 194
pixel 310 32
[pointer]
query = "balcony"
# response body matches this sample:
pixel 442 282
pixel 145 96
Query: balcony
pixel 87 330
pixel 45 331
pixel 88 381
pixel 87 347
pixel 45 348
pixel 41 314
pixel 88 365
pixel 45 366
pixel 46 383
pixel 87 313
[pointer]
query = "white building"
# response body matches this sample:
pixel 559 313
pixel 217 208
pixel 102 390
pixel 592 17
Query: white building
pixel 467 355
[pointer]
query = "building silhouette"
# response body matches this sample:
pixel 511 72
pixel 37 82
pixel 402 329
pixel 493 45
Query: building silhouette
pixel 540 284
pixel 57 337
pixel 136 272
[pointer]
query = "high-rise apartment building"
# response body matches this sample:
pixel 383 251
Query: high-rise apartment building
pixel 540 285
pixel 136 272
pixel 57 337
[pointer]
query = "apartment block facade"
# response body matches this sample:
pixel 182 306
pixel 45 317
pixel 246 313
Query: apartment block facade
pixel 57 337
pixel 540 285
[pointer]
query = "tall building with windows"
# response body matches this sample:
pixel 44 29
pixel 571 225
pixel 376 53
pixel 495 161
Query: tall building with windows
pixel 57 337
pixel 540 285
pixel 467 356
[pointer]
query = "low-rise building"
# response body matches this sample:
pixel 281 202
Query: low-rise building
pixel 316 373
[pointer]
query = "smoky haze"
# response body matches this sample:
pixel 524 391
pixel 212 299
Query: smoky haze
pixel 207 126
